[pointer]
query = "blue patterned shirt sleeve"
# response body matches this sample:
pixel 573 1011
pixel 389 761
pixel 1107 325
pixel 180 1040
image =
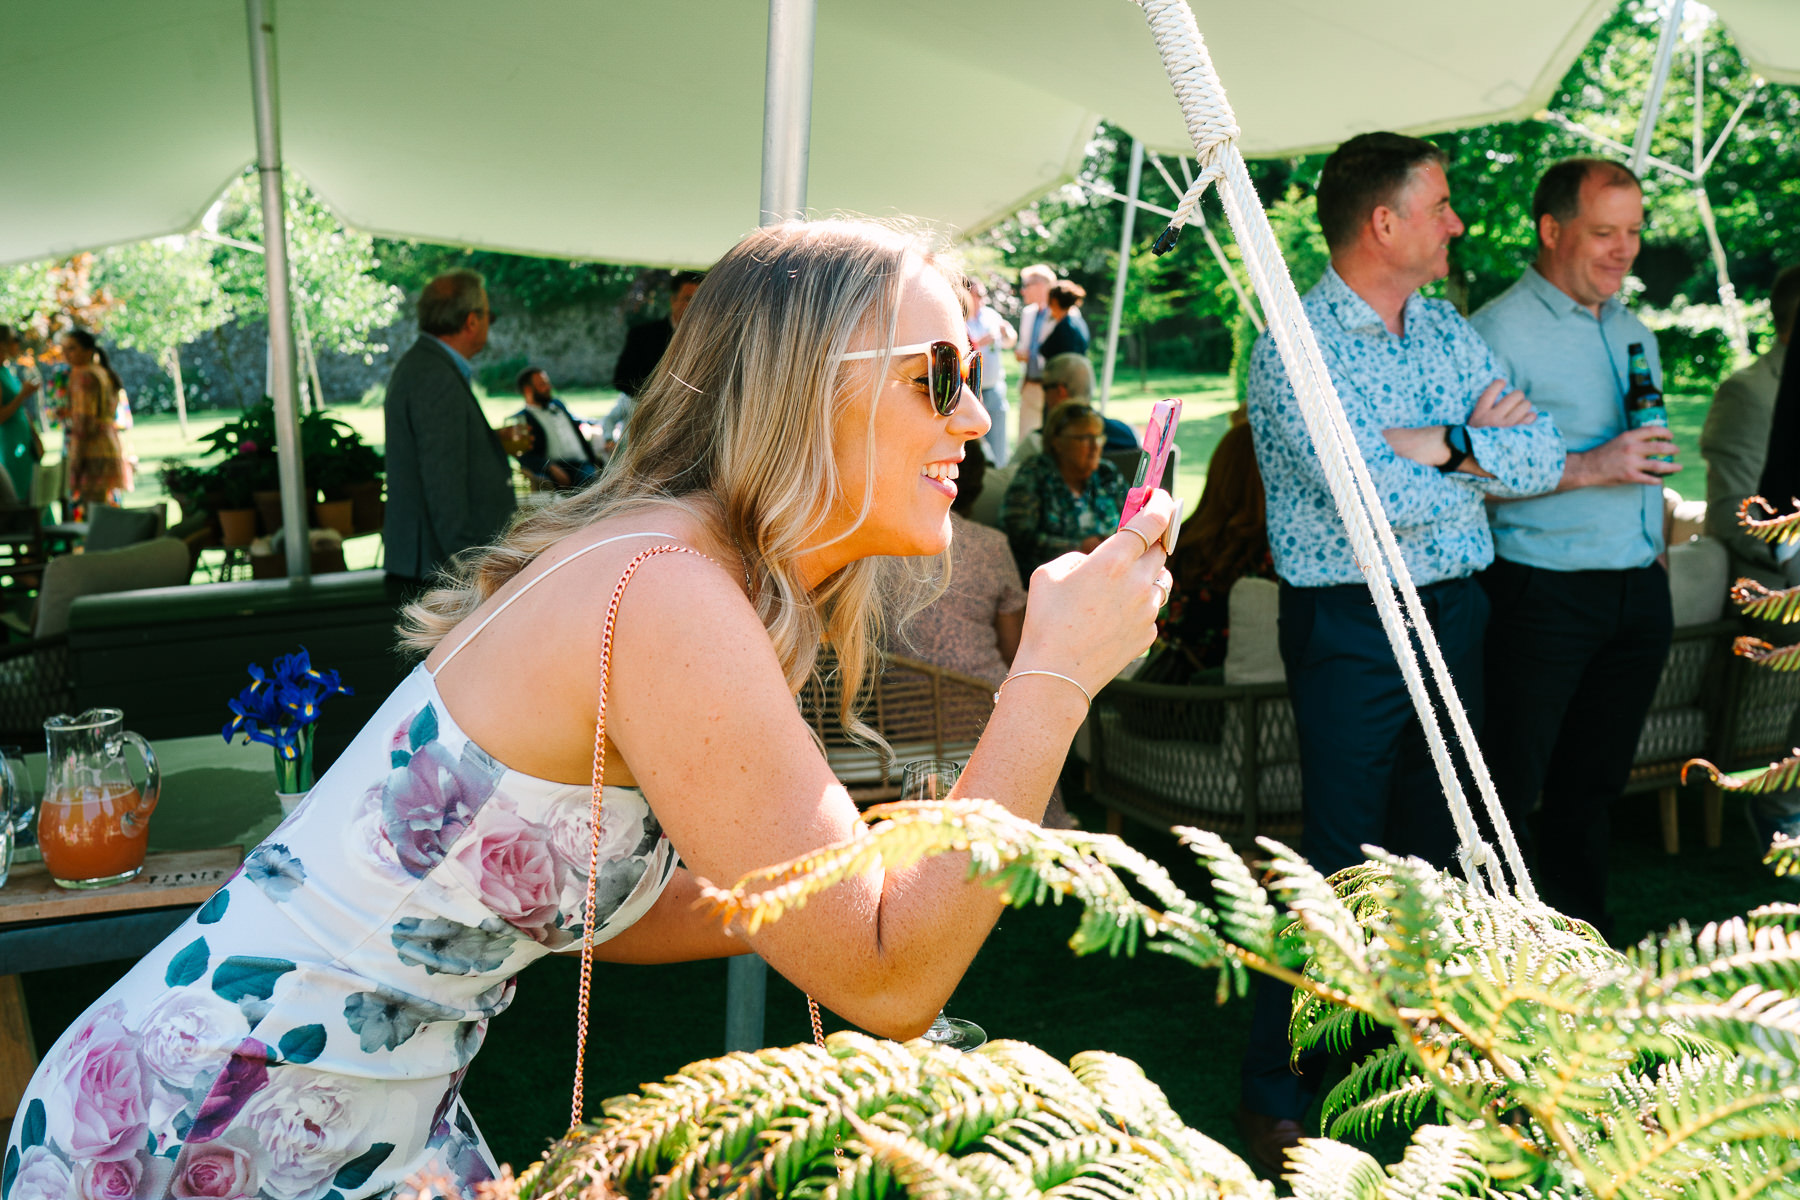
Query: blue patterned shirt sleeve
pixel 1431 376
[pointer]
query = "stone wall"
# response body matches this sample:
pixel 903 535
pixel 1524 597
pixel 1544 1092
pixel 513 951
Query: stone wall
pixel 225 368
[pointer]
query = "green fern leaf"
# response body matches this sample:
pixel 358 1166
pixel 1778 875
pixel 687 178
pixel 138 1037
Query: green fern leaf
pixel 1752 1170
pixel 1764 654
pixel 1776 777
pixel 1759 519
pixel 1438 1163
pixel 1321 1169
pixel 1755 600
pixel 1784 856
pixel 1382 1088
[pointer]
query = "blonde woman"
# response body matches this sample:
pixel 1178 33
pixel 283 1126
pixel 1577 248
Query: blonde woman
pixel 319 1011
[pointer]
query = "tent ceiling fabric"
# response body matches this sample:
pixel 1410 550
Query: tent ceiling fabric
pixel 1767 33
pixel 631 130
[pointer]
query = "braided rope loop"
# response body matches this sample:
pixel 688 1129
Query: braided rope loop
pixel 1372 541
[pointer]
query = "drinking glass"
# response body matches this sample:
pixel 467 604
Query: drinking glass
pixel 25 798
pixel 932 779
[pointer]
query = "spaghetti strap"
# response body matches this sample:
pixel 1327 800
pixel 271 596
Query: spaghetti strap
pixel 549 571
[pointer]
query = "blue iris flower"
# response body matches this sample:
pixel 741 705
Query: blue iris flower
pixel 277 706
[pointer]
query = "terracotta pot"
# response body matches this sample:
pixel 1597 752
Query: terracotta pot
pixel 268 510
pixel 367 507
pixel 336 514
pixel 237 526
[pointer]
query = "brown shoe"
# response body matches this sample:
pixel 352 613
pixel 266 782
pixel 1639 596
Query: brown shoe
pixel 1268 1138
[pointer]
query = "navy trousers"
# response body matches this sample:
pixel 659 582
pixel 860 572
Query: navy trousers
pixel 1366 775
pixel 1573 659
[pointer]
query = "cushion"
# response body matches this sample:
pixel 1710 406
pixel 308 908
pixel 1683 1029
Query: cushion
pixel 110 528
pixel 1252 652
pixel 1683 520
pixel 1699 577
pixel 160 562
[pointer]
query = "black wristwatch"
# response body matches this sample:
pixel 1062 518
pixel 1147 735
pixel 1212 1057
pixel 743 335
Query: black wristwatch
pixel 1457 438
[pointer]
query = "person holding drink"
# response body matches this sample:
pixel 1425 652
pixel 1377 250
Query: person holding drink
pixel 633 650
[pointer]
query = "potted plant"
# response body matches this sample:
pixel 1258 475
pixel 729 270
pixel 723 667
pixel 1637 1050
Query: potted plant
pixel 351 474
pixel 186 484
pixel 279 708
pixel 234 487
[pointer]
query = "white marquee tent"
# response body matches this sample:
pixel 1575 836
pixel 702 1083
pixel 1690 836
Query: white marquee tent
pixel 629 129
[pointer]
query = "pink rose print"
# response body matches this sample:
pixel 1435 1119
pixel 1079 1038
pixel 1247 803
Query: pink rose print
pixel 95 1099
pixel 622 820
pixel 225 1169
pixel 42 1176
pixel 116 1180
pixel 304 1132
pixel 187 1032
pixel 511 867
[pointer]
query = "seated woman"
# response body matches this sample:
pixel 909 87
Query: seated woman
pixel 974 626
pixel 321 1009
pixel 1225 540
pixel 1068 332
pixel 1067 497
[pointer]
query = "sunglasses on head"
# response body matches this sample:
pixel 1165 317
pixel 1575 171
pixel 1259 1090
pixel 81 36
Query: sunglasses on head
pixel 946 371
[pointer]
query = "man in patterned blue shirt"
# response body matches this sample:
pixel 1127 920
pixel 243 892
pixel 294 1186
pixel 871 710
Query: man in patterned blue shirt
pixel 1581 620
pixel 1441 432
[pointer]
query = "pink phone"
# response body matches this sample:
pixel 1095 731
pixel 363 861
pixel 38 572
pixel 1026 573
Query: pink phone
pixel 1159 435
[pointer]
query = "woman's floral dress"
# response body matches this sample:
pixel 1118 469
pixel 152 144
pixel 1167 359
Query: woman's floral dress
pixel 304 1035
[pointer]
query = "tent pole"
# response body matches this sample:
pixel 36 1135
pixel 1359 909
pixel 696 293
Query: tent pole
pixel 787 108
pixel 283 376
pixel 1132 182
pixel 1665 54
pixel 787 133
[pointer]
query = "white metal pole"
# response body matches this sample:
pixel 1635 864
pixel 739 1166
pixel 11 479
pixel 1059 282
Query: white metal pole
pixel 1665 53
pixel 787 108
pixel 787 133
pixel 283 375
pixel 1132 181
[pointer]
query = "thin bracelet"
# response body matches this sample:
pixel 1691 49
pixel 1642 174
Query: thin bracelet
pixel 1051 674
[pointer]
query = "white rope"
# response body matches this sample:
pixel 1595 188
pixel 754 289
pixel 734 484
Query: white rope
pixel 1212 243
pixel 1213 130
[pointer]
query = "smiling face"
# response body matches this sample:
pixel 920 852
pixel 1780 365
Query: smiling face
pixel 1589 255
pixel 1416 232
pixel 890 442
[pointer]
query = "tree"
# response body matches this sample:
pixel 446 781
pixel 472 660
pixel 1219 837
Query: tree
pixel 339 301
pixel 165 294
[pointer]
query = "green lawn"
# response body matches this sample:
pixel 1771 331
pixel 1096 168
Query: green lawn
pixel 1208 401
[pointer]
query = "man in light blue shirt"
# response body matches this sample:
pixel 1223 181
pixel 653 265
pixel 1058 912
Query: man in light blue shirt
pixel 1441 431
pixel 1581 622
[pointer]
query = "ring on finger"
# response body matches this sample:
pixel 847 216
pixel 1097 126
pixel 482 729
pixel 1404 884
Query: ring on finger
pixel 1165 584
pixel 1140 536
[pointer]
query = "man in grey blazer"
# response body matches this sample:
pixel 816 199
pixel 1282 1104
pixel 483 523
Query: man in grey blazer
pixel 1735 440
pixel 449 482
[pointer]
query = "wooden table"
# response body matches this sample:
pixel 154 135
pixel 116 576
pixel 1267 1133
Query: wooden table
pixel 216 801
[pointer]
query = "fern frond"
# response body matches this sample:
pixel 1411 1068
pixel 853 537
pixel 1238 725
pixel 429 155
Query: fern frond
pixel 1780 776
pixel 1381 1088
pixel 1438 1163
pixel 1245 914
pixel 1763 654
pixel 1758 518
pixel 923 1173
pixel 1340 949
pixel 1321 1169
pixel 1784 856
pixel 1755 600
pixel 1753 1170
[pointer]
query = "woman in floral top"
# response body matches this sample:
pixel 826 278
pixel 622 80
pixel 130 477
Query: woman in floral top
pixel 305 1033
pixel 1066 498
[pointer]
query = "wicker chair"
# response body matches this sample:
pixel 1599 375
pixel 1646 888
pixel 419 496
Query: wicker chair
pixel 35 685
pixel 923 711
pixel 1683 723
pixel 1221 757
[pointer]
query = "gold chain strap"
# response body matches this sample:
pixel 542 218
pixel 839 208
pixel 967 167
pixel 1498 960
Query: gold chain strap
pixel 587 926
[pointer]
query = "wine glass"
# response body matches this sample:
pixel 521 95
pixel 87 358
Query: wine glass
pixel 932 779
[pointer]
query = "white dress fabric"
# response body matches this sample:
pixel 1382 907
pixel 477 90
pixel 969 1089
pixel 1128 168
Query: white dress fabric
pixel 304 1035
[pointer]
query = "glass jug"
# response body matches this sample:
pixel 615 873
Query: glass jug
pixel 93 821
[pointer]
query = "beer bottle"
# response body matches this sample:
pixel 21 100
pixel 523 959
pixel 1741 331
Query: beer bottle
pixel 1643 399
